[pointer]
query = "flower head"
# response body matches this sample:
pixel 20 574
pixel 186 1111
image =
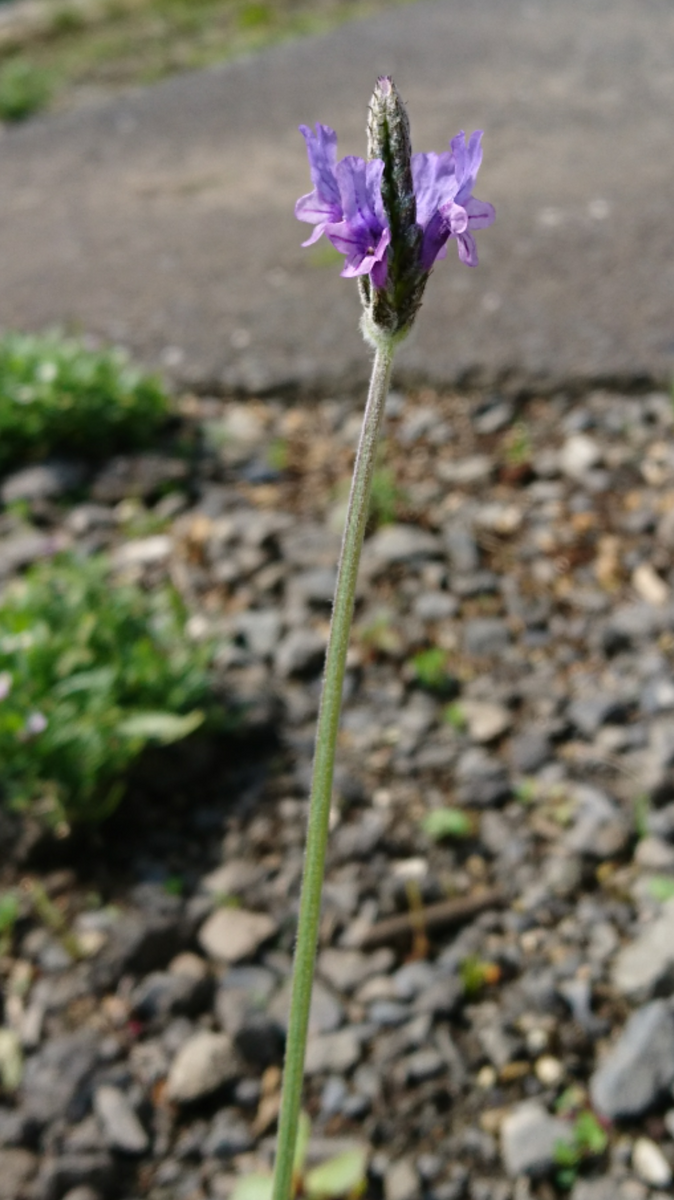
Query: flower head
pixel 345 205
pixel 392 216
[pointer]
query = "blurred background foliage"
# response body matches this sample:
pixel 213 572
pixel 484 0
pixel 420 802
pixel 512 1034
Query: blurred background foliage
pixel 68 50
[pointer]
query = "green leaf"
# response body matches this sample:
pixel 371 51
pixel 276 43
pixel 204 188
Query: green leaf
pixel 303 1135
pixel 253 1187
pixel 163 727
pixel 661 887
pixel 566 1153
pixel 447 822
pixel 339 1176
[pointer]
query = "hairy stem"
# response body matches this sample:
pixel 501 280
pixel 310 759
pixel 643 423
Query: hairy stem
pixel 324 761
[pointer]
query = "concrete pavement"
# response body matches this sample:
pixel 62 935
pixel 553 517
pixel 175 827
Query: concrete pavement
pixel 164 218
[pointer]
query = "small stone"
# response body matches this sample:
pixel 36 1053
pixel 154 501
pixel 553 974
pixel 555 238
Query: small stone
pixel 650 586
pixel 486 636
pixel 654 854
pixel 578 455
pixel 646 966
pixel 122 1129
pixel 231 879
pixel 142 552
pixel 325 1015
pixel 227 1136
pixel 529 1139
pixel 486 722
pixel 232 934
pixel 466 471
pixel 332 1053
pixel 204 1063
pixel 42 482
pixel 639 1068
pixel 17 1167
pixel 348 969
pixel 650 1163
pixel 549 1070
pixel 59 1175
pixel 55 1082
pixel 401 1181
pixel 300 653
pixel 399 544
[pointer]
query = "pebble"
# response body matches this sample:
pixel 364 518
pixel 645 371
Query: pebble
pixel 486 722
pixel 332 1052
pixel 639 1067
pixel 300 653
pixel 646 965
pixel 17 1167
pixel 42 482
pixel 233 934
pixel 529 1137
pixel 401 1181
pixel 121 1127
pixel 205 1062
pixel 399 544
pixel 650 1163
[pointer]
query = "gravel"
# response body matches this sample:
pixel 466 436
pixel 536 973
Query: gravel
pixel 460 1050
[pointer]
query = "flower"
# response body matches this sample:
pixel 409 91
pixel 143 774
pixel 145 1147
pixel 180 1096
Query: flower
pixel 36 723
pixel 446 208
pixel 345 205
pixel 392 216
pixel 5 684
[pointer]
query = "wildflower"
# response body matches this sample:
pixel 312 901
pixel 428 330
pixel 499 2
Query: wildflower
pixel 346 205
pixel 446 208
pixel 393 215
pixel 36 723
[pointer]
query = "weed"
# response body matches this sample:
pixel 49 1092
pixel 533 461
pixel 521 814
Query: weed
pixel 9 912
pixel 661 887
pixel 24 89
pixel 340 1178
pixel 430 669
pixel 447 822
pixel 587 1139
pixel 476 973
pixel 454 715
pixel 57 396
pixel 386 497
pixel 90 672
pixel 517 445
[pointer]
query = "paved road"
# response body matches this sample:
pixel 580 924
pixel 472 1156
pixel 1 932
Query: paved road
pixel 164 218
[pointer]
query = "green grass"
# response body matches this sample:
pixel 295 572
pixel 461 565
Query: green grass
pixel 127 42
pixel 59 397
pixel 91 671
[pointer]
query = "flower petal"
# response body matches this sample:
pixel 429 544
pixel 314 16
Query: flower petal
pixel 467 249
pixel 322 151
pixel 480 214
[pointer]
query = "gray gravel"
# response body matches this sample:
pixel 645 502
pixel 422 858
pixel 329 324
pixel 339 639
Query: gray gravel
pixel 460 1050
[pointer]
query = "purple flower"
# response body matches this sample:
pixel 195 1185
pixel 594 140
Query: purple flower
pixel 446 208
pixel 346 205
pixel 392 216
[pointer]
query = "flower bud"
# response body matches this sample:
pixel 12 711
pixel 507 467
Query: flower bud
pixel 392 307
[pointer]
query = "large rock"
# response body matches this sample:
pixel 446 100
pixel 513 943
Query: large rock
pixel 639 1068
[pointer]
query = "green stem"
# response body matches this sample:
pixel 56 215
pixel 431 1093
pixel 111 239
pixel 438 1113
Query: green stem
pixel 324 761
